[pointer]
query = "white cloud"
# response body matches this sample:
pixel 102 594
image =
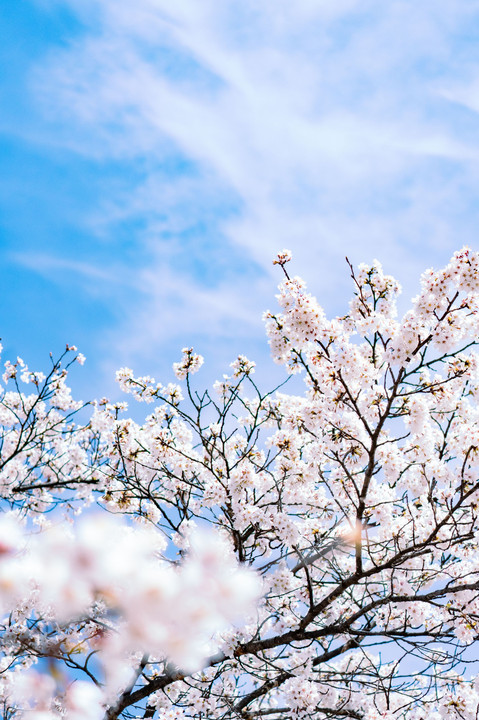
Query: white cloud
pixel 51 266
pixel 327 120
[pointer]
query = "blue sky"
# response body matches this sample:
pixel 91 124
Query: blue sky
pixel 155 155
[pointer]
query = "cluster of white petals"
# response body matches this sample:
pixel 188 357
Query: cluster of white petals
pixel 189 364
pixel 106 570
pixel 356 501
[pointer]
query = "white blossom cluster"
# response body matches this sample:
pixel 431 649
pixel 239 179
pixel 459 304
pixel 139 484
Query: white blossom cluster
pixel 356 501
pixel 60 575
pixel 190 363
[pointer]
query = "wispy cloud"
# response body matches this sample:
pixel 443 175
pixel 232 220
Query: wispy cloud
pixel 331 128
pixel 53 267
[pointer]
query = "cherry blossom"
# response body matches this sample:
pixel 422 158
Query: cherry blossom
pixel 305 551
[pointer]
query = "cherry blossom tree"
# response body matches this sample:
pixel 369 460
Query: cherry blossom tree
pixel 245 553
